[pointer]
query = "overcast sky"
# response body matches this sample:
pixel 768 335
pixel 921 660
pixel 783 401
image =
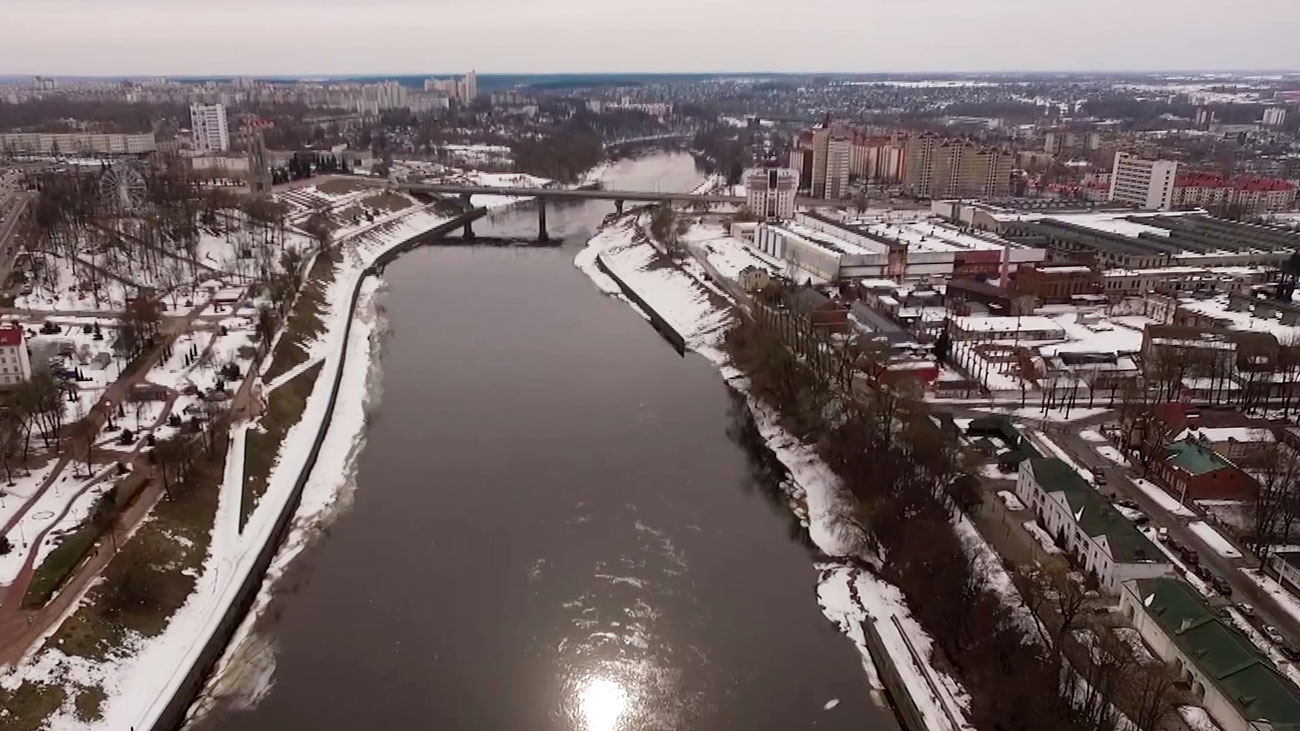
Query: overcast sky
pixel 309 37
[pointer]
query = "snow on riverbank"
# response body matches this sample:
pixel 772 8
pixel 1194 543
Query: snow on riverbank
pixel 142 680
pixel 847 595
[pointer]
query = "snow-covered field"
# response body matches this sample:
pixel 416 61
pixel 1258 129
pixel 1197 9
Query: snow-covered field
pixel 1214 539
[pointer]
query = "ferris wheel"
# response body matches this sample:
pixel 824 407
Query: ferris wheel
pixel 122 188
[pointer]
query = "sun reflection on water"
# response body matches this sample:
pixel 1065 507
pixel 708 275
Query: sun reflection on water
pixel 601 702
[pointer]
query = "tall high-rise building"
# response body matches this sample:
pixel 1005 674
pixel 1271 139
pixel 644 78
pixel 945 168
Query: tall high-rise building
pixel 208 128
pixel 471 86
pixel 770 192
pixel 938 167
pixel 1144 183
pixel 831 158
pixel 836 183
pixel 821 138
pixel 1274 116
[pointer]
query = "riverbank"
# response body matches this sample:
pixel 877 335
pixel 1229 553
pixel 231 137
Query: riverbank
pixel 869 610
pixel 141 679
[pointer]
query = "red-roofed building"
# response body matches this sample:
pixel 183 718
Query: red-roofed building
pixel 15 365
pixel 1253 195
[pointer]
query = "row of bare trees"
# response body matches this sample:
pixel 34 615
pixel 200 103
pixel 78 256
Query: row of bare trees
pixel 908 480
pixel 143 226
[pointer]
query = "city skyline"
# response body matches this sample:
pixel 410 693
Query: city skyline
pixel 401 37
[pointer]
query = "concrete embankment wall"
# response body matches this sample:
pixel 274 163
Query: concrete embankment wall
pixel 664 327
pixel 173 715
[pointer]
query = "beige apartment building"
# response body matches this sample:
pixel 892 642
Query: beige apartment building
pixel 939 167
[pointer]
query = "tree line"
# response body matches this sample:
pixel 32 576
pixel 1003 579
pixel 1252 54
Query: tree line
pixel 906 481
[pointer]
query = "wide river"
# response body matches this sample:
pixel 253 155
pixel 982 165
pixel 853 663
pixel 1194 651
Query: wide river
pixel 557 524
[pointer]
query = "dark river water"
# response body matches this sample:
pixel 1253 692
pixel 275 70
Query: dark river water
pixel 555 524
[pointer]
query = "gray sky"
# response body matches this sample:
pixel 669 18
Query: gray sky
pixel 303 37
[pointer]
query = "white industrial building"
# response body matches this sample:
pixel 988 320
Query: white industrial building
pixel 827 249
pixel 770 192
pixel 208 128
pixel 1145 183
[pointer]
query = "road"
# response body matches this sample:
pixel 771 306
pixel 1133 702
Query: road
pixel 1119 481
pixel 1243 588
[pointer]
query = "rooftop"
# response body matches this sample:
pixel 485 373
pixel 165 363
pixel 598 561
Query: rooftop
pixel 1095 516
pixel 1224 655
pixel 1193 458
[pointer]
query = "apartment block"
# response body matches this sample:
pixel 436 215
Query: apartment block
pixel 208 128
pixel 1144 183
pixel 937 167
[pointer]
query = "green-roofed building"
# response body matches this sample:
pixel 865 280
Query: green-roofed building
pixel 1193 471
pixel 1238 686
pixel 1083 522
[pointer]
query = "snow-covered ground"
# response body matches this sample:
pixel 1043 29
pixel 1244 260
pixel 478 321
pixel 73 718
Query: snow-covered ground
pixel 1197 719
pixel 1041 536
pixel 1162 498
pixel 1289 602
pixel 1052 448
pixel 139 683
pixel 1091 435
pixel 1214 539
pixel 40 515
pixel 1011 500
pixel 1112 454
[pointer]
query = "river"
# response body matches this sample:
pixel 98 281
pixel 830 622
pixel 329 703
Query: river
pixel 557 524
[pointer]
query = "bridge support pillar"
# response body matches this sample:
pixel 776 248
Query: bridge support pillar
pixel 542 235
pixel 618 206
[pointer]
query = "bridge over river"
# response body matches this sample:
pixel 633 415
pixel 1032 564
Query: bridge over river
pixel 617 196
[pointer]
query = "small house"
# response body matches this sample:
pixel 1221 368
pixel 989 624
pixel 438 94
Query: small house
pixel 755 279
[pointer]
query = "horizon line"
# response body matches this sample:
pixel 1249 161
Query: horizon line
pixel 999 72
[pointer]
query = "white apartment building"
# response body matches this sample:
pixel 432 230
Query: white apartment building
pixel 1274 116
pixel 1145 183
pixel 770 192
pixel 15 365
pixel 208 128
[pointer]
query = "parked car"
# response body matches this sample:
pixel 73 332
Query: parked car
pixel 1221 585
pixel 1273 635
